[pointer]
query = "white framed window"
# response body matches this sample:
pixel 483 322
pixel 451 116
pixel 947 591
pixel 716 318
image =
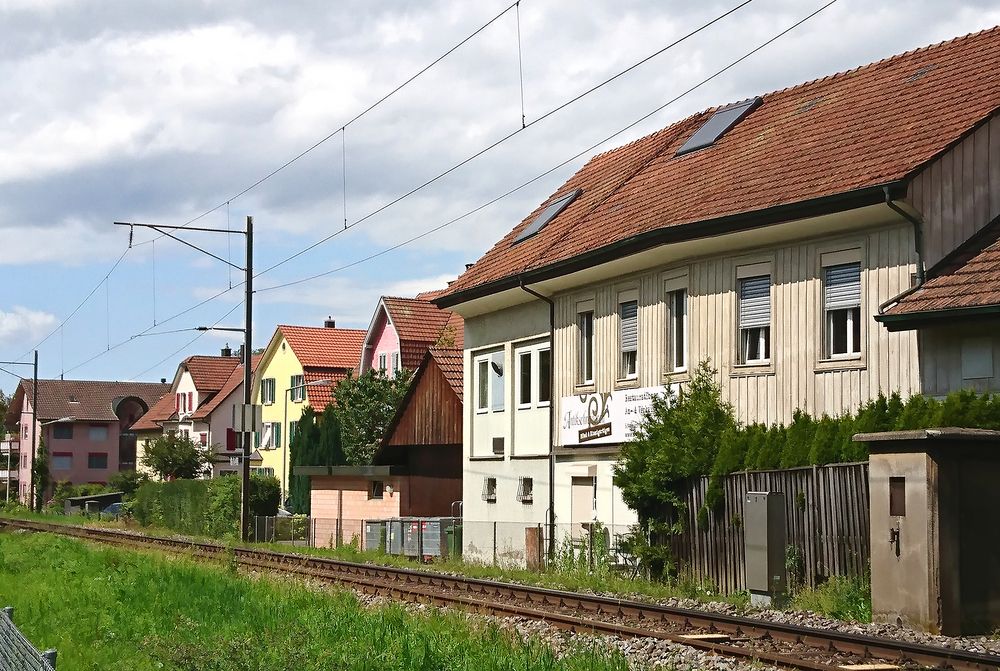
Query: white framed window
pixel 628 331
pixel 755 319
pixel 496 382
pixel 382 362
pixel 298 391
pixel 585 344
pixel 534 387
pixel 395 362
pixel 525 490
pixel 262 470
pixel 525 378
pixel 544 376
pixel 677 330
pixel 267 391
pixel 842 307
pixel 490 490
pixel 482 384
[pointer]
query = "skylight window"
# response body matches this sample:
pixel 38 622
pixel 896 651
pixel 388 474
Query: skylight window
pixel 718 125
pixel 547 215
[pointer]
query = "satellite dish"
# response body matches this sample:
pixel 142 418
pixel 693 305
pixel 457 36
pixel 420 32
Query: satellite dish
pixel 497 368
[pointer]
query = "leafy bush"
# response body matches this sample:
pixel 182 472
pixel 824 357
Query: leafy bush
pixel 203 507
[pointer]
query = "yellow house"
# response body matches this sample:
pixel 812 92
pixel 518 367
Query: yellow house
pixel 299 368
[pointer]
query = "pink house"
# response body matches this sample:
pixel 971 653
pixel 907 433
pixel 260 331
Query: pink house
pixel 403 329
pixel 85 425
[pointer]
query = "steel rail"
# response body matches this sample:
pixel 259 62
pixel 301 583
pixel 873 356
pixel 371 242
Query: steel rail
pixel 564 609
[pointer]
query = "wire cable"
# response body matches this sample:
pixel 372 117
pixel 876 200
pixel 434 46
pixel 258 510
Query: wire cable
pixel 506 137
pixel 187 344
pixel 77 308
pixel 560 165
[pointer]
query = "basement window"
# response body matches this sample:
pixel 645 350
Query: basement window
pixel 718 125
pixel 548 214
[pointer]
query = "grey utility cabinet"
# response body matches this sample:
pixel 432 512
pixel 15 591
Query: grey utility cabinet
pixel 765 538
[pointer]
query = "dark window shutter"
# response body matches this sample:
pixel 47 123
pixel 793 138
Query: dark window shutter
pixel 843 286
pixel 190 401
pixel 629 326
pixel 755 301
pixel 230 439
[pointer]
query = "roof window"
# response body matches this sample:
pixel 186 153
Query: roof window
pixel 547 215
pixel 719 124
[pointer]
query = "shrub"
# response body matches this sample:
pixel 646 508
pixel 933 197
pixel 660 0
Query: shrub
pixel 203 507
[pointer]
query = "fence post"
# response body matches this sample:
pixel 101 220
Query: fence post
pixel 420 540
pixel 494 543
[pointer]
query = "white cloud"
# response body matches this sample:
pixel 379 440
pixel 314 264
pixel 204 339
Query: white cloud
pixel 21 326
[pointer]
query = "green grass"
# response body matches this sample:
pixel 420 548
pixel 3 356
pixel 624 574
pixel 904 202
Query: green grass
pixel 104 608
pixel 840 598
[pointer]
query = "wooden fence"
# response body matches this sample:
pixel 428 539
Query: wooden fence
pixel 826 509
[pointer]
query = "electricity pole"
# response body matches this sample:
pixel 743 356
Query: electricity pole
pixel 248 414
pixel 247 380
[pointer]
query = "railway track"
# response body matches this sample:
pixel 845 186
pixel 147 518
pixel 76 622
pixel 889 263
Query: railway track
pixel 782 645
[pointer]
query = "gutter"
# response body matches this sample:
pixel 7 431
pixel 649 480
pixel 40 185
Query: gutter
pixel 918 244
pixel 910 320
pixel 840 202
pixel 551 512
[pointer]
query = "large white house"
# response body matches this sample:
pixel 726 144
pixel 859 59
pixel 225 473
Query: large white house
pixel 768 236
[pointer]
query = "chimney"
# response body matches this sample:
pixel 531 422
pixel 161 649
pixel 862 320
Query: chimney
pixel 329 322
pixel 469 265
pixel 227 350
pixel 163 380
pixel 241 353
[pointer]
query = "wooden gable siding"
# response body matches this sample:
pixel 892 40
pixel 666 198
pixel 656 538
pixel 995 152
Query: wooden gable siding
pixel 433 413
pixel 959 193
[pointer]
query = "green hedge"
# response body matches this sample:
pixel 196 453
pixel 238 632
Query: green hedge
pixel 203 507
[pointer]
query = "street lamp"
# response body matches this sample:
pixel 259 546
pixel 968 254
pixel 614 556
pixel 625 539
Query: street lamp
pixel 288 434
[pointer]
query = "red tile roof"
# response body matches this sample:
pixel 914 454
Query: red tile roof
pixel 232 384
pixel 84 400
pixel 449 360
pixel 321 395
pixel 967 278
pixel 325 347
pixel 418 323
pixel 210 372
pixel 162 411
pixel 872 126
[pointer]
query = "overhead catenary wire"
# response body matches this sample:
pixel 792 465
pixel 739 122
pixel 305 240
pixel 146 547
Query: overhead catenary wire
pixel 520 67
pixel 534 179
pixel 409 80
pixel 80 305
pixel 507 137
pixel 183 347
pixel 631 125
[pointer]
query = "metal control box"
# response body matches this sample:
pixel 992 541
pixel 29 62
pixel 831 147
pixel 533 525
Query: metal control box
pixel 375 535
pixel 765 538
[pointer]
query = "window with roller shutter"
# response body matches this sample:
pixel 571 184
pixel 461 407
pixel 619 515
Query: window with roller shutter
pixel 755 319
pixel 842 303
pixel 628 317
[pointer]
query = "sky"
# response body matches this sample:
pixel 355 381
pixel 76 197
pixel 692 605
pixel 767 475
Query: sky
pixel 161 112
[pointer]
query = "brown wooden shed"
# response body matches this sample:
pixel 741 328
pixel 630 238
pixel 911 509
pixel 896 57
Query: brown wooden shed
pixel 417 470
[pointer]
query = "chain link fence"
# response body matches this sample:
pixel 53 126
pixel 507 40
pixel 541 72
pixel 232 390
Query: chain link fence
pixel 16 652
pixel 513 544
